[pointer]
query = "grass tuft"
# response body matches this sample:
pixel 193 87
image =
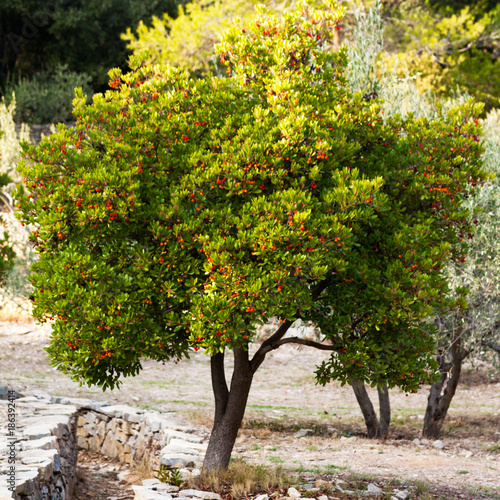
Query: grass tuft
pixel 242 479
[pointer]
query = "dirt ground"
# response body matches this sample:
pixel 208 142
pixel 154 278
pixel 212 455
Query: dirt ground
pixel 284 399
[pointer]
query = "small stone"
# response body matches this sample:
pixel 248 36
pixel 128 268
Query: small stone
pixel 466 453
pixel 308 487
pixel 323 497
pixel 401 494
pixel 341 484
pixel 303 433
pixel 206 495
pixel 322 484
pixel 416 442
pixel 439 445
pixel 352 438
pixel 293 493
pixel 372 488
pixel 263 497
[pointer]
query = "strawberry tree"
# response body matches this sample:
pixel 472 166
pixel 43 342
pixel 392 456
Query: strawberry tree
pixel 182 214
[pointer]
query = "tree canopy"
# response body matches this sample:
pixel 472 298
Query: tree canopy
pixel 182 213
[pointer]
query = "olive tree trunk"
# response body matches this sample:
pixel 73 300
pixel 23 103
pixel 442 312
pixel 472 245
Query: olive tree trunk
pixel 442 391
pixel 376 428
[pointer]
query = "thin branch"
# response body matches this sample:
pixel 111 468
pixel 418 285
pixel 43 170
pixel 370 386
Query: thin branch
pixel 491 345
pixel 310 343
pixel 272 342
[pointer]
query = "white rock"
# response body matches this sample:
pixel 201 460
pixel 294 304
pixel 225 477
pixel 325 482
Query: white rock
pixel 45 443
pixel 126 412
pixel 401 494
pixel 265 497
pixel 439 445
pixel 208 495
pixel 352 438
pixel 372 488
pixel 416 442
pixel 466 453
pixel 323 497
pixel 293 493
pixel 303 432
pixel 170 434
pixel 144 493
pixel 179 461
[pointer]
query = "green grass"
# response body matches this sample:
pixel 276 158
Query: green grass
pixel 276 460
pixel 320 469
pixel 183 401
pixel 492 448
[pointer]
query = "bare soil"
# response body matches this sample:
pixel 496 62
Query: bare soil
pixel 284 398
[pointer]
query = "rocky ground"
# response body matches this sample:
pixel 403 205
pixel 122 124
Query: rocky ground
pixel 283 400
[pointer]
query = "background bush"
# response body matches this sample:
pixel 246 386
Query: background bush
pixel 48 97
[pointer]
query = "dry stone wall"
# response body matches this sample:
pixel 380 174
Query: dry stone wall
pixel 45 450
pixel 50 430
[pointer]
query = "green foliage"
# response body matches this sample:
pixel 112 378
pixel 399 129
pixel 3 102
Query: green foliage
pixel 169 476
pixel 448 48
pixel 10 151
pixel 167 42
pixel 11 256
pixel 48 96
pixel 184 213
pixel 481 273
pixel 40 35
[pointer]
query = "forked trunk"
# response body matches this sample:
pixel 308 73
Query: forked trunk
pixel 230 407
pixel 439 401
pixel 374 427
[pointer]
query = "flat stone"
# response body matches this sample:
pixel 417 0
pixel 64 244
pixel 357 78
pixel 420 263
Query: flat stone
pixel 79 402
pixel 266 497
pixel 126 412
pixel 157 485
pixel 27 399
pixel 45 443
pixel 25 479
pixel 208 495
pixel 156 422
pixel 42 395
pixel 293 493
pixel 303 433
pixel 144 493
pixel 179 461
pixel 170 434
pixel 322 497
pixel 416 442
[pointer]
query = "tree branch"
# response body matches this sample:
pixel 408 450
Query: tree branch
pixel 272 342
pixel 310 343
pixel 491 345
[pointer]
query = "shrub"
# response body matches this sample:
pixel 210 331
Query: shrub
pixel 48 96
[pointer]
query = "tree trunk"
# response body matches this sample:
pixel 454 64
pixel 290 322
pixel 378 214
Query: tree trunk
pixel 230 407
pixel 385 410
pixel 439 401
pixel 375 428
